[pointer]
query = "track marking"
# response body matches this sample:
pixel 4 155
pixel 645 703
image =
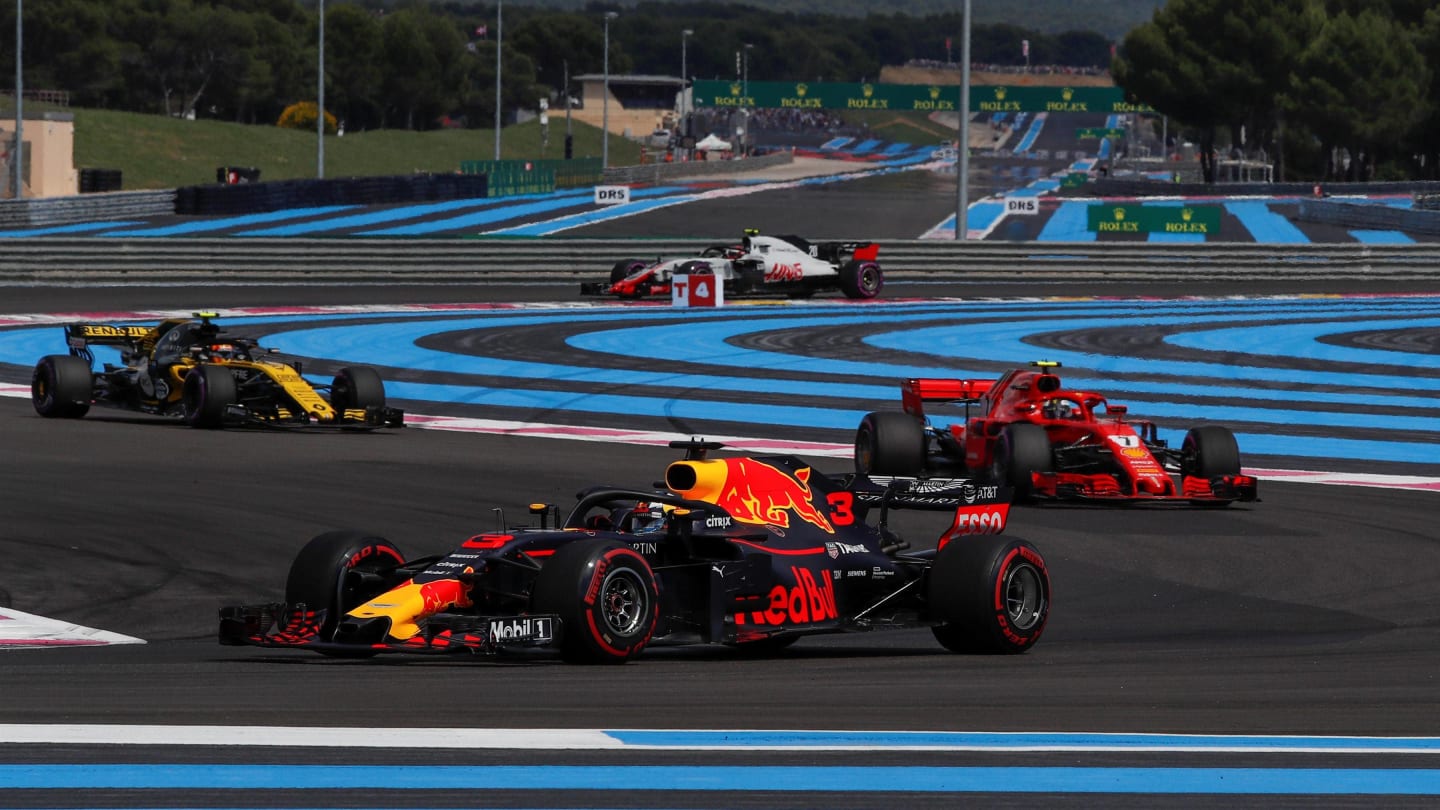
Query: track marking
pixel 562 739
pixel 21 631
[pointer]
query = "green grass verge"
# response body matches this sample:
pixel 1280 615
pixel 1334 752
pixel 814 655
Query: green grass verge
pixel 153 151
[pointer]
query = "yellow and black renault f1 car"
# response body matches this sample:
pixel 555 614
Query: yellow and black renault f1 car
pixel 748 552
pixel 192 369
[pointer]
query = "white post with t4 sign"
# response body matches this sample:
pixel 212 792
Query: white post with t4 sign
pixel 700 290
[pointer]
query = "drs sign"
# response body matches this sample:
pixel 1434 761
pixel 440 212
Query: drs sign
pixel 612 195
pixel 1022 205
pixel 697 291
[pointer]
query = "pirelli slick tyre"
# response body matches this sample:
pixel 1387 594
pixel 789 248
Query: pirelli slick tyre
pixel 625 267
pixel 990 593
pixel 862 280
pixel 1209 451
pixel 1021 449
pixel 357 388
pixel 890 443
pixel 61 387
pixel 339 571
pixel 605 595
pixel 209 391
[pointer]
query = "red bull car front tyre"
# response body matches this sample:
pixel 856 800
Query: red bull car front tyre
pixel 991 593
pixel 337 572
pixel 606 597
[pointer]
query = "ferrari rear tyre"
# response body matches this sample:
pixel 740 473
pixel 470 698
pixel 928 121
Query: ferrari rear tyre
pixel 340 571
pixel 625 267
pixel 605 595
pixel 61 386
pixel 862 280
pixel 357 388
pixel 990 593
pixel 890 443
pixel 1022 449
pixel 1209 451
pixel 209 391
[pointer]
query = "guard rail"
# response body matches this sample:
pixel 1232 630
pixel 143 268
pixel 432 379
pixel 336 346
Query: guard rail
pixel 56 259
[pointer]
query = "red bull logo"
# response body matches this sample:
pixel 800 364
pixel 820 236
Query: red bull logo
pixel 810 600
pixel 411 602
pixel 751 491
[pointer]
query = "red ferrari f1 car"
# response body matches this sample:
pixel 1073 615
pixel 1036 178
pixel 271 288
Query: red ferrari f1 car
pixel 749 552
pixel 1049 443
pixel 759 265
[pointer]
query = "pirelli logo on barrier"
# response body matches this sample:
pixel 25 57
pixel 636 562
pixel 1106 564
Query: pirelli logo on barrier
pixel 1192 219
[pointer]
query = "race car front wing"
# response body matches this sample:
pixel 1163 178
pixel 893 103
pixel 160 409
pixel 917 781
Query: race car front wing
pixel 279 625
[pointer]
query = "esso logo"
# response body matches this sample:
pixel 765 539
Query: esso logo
pixel 977 520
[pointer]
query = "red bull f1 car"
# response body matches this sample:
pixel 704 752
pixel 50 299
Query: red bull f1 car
pixel 749 552
pixel 1048 442
pixel 759 265
pixel 190 368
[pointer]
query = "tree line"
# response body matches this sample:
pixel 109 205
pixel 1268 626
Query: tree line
pixel 1328 88
pixel 420 65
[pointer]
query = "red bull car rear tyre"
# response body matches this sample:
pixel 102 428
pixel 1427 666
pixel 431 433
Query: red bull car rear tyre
pixel 991 593
pixel 605 595
pixel 339 571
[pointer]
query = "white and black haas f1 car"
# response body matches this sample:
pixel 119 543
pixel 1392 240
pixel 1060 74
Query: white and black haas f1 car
pixel 749 552
pixel 759 265
pixel 192 369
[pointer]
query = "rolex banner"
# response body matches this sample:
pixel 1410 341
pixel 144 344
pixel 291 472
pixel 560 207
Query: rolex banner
pixel 910 97
pixel 1197 219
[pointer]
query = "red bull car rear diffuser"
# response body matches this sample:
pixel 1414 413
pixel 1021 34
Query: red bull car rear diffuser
pixel 751 552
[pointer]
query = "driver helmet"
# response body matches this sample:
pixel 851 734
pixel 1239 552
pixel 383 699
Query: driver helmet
pixel 648 518
pixel 1057 409
pixel 224 350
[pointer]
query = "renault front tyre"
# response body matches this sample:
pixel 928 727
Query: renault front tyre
pixel 357 388
pixel 209 392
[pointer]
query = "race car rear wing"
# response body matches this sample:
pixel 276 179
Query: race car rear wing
pixel 80 335
pixel 859 251
pixel 914 393
pixel 937 494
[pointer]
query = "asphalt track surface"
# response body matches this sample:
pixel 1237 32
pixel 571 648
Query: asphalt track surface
pixel 1311 613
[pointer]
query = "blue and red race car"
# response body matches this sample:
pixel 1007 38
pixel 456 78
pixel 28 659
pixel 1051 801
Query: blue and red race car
pixel 749 552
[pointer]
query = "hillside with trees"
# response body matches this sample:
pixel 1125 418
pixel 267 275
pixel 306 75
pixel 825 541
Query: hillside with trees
pixel 1327 88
